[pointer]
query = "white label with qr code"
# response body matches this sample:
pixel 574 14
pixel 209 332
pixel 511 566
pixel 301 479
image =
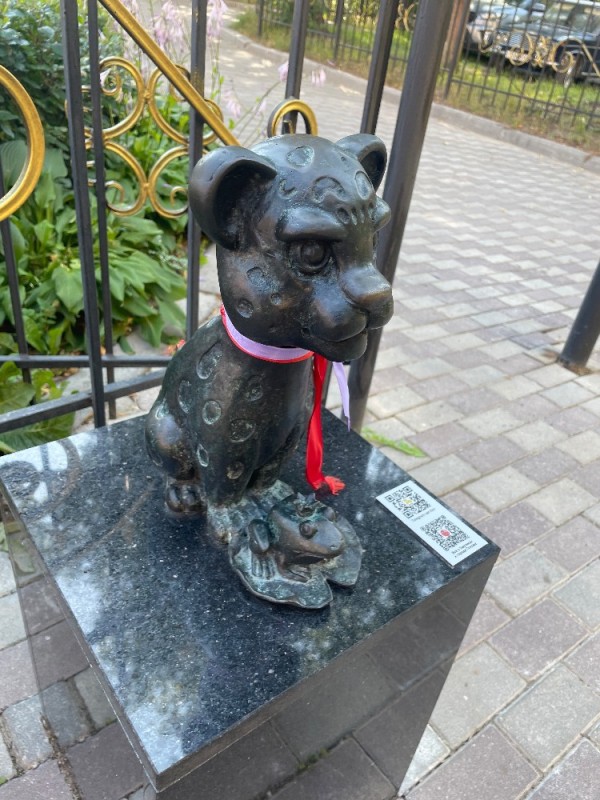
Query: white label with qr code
pixel 438 527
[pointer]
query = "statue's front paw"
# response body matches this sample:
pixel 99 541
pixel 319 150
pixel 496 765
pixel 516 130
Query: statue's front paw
pixel 184 497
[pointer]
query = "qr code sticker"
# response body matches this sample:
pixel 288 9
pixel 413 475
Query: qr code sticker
pixel 445 533
pixel 408 502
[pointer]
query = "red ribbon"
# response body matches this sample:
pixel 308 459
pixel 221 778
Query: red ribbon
pixel 314 444
pixel 281 355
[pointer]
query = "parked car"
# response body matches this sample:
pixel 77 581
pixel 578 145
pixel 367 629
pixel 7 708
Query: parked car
pixel 486 17
pixel 566 39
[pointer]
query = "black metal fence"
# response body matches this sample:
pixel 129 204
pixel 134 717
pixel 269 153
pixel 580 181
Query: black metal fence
pixel 76 272
pixel 533 64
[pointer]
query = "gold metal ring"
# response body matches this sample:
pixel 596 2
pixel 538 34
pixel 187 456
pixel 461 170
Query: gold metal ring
pixel 288 106
pixel 32 168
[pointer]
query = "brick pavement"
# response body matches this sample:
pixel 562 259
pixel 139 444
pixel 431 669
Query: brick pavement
pixel 500 246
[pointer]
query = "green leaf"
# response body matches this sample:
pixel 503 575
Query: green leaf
pixel 45 192
pixel 125 346
pixel 33 332
pixel 7 344
pixel 15 395
pixel 117 285
pixel 396 444
pixel 44 232
pixel 137 306
pixel 69 287
pixel 54 163
pixel 55 336
pixel 151 329
pixel 39 433
pixel 14 155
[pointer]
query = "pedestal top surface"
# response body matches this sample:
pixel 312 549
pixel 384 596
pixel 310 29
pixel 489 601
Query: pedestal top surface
pixel 187 651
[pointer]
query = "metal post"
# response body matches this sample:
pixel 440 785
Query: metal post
pixel 197 76
pixel 586 328
pixel 455 40
pixel 296 60
pixel 12 273
pixel 431 28
pixel 382 47
pixel 100 189
pixel 261 17
pixel 339 20
pixel 70 34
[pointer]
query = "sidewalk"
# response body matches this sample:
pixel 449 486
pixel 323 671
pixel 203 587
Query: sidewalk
pixel 500 247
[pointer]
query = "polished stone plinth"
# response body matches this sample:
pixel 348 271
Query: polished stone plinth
pixel 220 694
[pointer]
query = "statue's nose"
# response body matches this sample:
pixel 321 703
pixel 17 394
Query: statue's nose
pixel 367 289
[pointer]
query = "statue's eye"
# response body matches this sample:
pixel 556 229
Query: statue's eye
pixel 308 530
pixel 311 256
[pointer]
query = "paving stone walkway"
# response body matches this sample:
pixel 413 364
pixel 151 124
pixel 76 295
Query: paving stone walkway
pixel 500 246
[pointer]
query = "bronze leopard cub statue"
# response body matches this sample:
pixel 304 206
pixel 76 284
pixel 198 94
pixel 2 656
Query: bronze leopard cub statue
pixel 295 221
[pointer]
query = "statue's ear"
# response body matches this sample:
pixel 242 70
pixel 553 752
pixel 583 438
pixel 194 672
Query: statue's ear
pixel 371 153
pixel 221 184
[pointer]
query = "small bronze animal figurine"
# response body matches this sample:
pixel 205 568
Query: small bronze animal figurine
pixel 275 557
pixel 295 221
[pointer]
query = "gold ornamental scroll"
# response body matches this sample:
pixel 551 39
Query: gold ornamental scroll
pixel 170 70
pixel 27 180
pixel 205 108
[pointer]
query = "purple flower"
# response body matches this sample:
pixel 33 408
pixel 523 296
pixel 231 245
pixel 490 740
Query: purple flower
pixel 283 71
pixel 232 104
pixel 214 20
pixel 169 30
pixel 318 76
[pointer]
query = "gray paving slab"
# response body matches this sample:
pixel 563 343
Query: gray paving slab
pixel 581 595
pixel 520 580
pixel 480 684
pixel 516 526
pixel 346 773
pixel 44 783
pixel 7 581
pixel 24 730
pixel 18 677
pixel 104 765
pixel 548 718
pixel 562 500
pixel 573 544
pixel 502 488
pixel 487 768
pixel 7 767
pixel 12 629
pixel 577 775
pixel 430 752
pixel 93 697
pixel 538 638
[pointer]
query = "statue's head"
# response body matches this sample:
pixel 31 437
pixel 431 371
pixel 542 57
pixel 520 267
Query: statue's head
pixel 295 222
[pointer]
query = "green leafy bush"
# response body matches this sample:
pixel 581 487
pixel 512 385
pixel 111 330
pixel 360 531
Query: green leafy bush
pixel 15 393
pixel 145 280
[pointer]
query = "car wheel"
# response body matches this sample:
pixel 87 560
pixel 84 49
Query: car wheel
pixel 568 68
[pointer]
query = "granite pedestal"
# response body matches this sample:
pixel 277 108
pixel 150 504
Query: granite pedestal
pixel 219 694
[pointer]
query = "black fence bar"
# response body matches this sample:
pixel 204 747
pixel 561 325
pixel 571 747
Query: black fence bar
pixel 296 59
pixel 261 17
pixel 382 46
pixel 100 188
pixel 431 28
pixel 72 362
pixel 75 402
pixel 70 32
pixel 197 79
pixel 586 328
pixel 339 20
pixel 12 274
